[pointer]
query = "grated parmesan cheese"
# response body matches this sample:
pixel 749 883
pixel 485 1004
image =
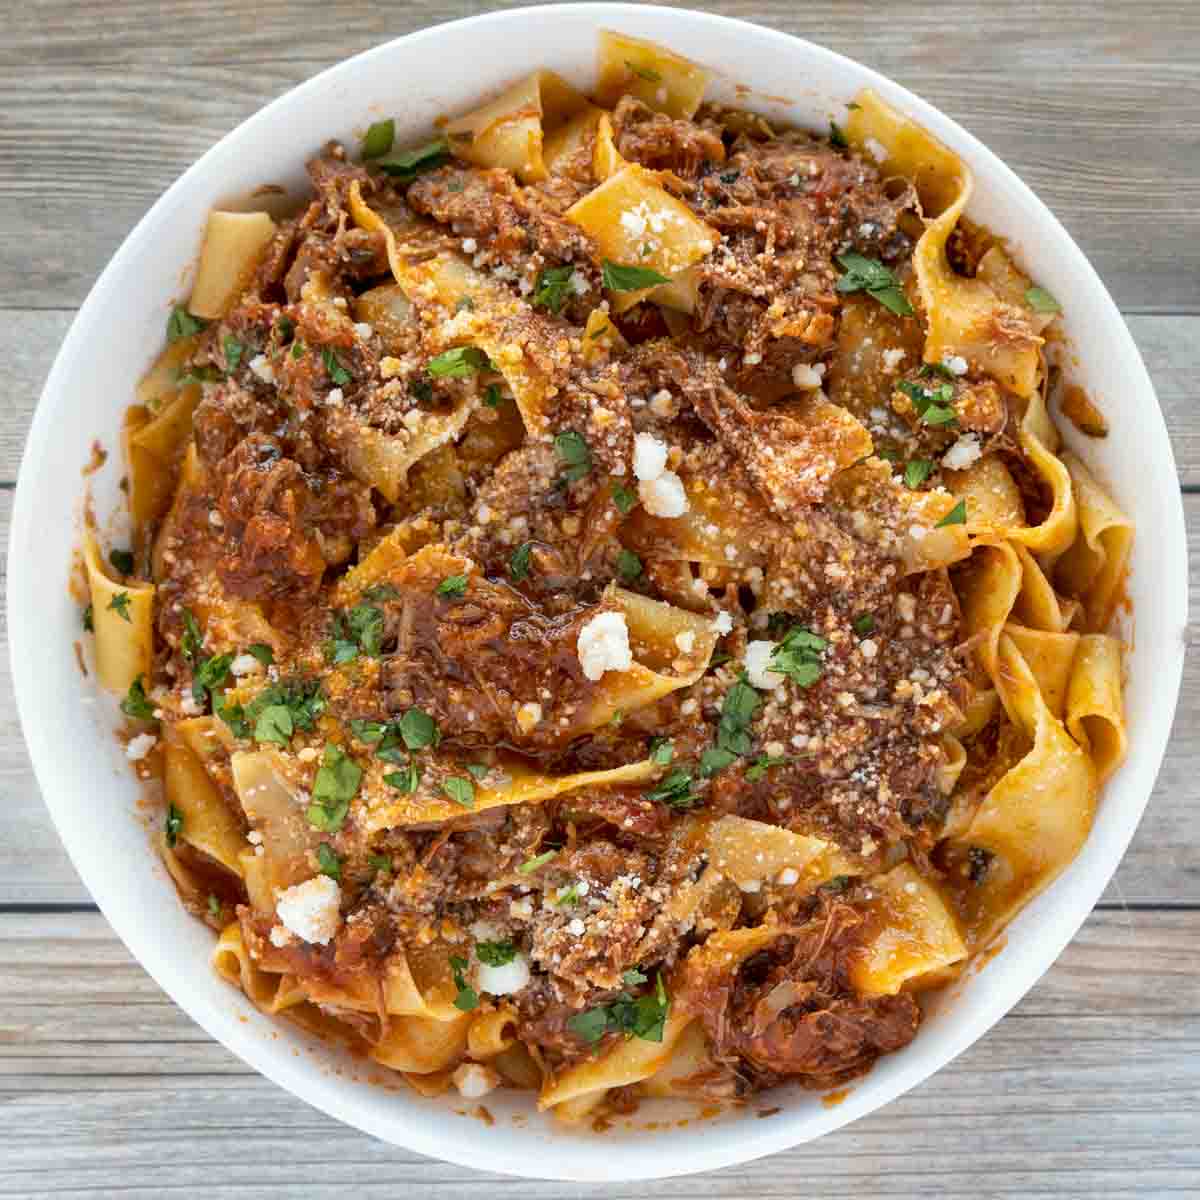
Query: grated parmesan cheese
pixel 649 457
pixel 758 656
pixel 311 910
pixel 474 1080
pixel 604 645
pixel 664 496
pixel 140 746
pixel 963 453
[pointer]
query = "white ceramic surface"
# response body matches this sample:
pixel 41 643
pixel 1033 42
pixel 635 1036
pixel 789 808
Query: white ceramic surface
pixel 89 789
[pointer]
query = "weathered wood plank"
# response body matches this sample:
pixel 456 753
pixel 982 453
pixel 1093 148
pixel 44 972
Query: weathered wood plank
pixel 1170 346
pixel 1162 866
pixel 88 1046
pixel 1095 114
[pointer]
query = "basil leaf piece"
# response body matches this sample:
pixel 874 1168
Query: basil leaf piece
pixel 495 954
pixel 674 790
pixel 836 136
pixel 467 998
pixel 715 759
pixel 418 729
pixel 120 605
pixel 452 585
pixel 136 704
pixel 871 276
pixel 262 652
pixel 328 862
pixel 458 363
pixel 956 516
pixel 590 1025
pixel 737 712
pixel 629 566
pixel 624 499
pixel 799 656
pixel 916 471
pixel 181 324
pixel 408 164
pixel 1041 301
pixel 661 751
pixel 518 565
pixel 379 139
pixel 174 824
pixel 553 284
pixel 233 352
pixel 461 791
pixel 340 376
pixel 335 785
pixel 572 448
pixel 406 781
pixel 274 724
pixel 618 278
pixel 863 624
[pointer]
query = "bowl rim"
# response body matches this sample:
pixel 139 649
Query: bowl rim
pixel 752 1139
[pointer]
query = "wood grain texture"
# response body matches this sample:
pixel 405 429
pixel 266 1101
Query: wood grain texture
pixel 1090 1088
pixel 1097 115
pixel 138 1096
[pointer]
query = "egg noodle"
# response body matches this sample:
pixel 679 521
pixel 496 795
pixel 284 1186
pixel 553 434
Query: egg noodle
pixel 609 611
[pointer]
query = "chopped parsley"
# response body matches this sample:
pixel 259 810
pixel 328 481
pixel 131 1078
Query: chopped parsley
pixel 662 751
pixel 89 619
pixel 381 591
pixel 642 1017
pixel 760 766
pixel 233 352
pixel 210 675
pixel 458 363
pixel 633 977
pixel 715 759
pixel 871 276
pixel 491 396
pixel 863 624
pixel 644 72
pixel 191 641
pixel 929 370
pixel 618 278
pixel 298 348
pixel 496 954
pixel 408 164
pixel 553 284
pixel 518 564
pixel 575 453
pixel 467 998
pixel 418 729
pixel 381 862
pixel 181 324
pixel 174 825
pixel 340 376
pixel 328 862
pixel 461 791
pixel 379 139
pixel 1041 301
pixel 916 471
pixel 452 585
pixel 214 905
pixel 956 516
pixel 136 704
pixel 359 628
pixel 122 561
pixel 737 712
pixel 274 724
pixel 567 897
pixel 674 790
pixel 262 652
pixel 479 770
pixel 934 406
pixel 629 566
pixel 301 698
pixel 624 499
pixel 538 860
pixel 836 136
pixel 406 780
pixel 120 605
pixel 335 785
pixel 799 656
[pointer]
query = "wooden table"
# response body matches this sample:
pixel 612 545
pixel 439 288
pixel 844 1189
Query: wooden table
pixel 1090 1088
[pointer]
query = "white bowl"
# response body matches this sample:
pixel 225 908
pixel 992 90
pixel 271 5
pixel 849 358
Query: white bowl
pixel 91 794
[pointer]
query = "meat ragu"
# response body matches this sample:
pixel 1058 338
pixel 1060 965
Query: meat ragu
pixel 605 595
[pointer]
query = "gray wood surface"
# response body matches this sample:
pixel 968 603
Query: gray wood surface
pixel 1090 1088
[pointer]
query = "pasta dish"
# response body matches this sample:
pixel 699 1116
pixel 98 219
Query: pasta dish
pixel 609 611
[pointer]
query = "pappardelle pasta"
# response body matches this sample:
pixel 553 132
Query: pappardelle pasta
pixel 609 611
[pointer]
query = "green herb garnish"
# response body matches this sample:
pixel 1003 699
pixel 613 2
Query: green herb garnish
pixel 136 704
pixel 863 624
pixel 467 998
pixel 461 791
pixel 233 352
pixel 661 751
pixel 539 860
pixel 407 780
pixel 956 516
pixel 624 499
pixel 836 136
pixel 458 363
pixel 340 376
pixel 799 656
pixel 122 561
pixel 328 862
pixel 174 825
pixel 618 278
pixel 934 406
pixel 629 566
pixel 1041 301
pixel 737 712
pixel 495 954
pixel 575 454
pixel 274 724
pixel 553 284
pixel 916 471
pixel 379 139
pixel 760 766
pixel 410 163
pixel 674 790
pixel 181 324
pixel 518 564
pixel 335 785
pixel 120 605
pixel 418 729
pixel 262 652
pixel 871 276
pixel 452 585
